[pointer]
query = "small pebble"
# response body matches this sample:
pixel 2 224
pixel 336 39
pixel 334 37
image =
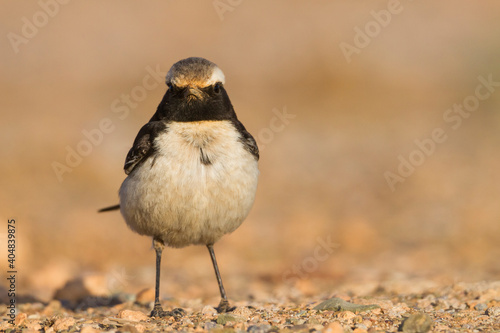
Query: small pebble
pixel 20 318
pixel 128 329
pixel 208 310
pixel 34 325
pixel 362 326
pixel 494 311
pixel 224 318
pixel 243 311
pixel 417 323
pixel 398 310
pixel 132 315
pixel 62 324
pixel 210 325
pixel 338 304
pixel 88 329
pixel 480 307
pixel 313 321
pixel 334 327
pixel 346 315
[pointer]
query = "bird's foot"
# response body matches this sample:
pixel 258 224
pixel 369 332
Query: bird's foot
pixel 224 306
pixel 158 312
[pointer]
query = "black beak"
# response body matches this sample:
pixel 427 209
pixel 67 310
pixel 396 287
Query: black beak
pixel 191 92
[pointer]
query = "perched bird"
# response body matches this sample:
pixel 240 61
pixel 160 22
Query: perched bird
pixel 192 170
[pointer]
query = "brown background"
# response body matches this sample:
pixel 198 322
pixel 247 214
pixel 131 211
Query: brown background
pixel 322 175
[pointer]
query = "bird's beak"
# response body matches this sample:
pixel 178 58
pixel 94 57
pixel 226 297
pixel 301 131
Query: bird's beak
pixel 192 92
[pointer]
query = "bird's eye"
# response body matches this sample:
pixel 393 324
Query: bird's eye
pixel 217 87
pixel 170 86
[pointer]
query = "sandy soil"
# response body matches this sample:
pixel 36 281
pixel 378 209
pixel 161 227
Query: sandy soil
pixel 461 307
pixel 408 306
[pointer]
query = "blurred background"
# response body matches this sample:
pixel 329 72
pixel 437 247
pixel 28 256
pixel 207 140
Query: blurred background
pixel 343 98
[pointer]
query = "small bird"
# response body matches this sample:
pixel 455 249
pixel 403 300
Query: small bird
pixel 192 170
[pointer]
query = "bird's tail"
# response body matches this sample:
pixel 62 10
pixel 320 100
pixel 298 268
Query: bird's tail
pixel 108 209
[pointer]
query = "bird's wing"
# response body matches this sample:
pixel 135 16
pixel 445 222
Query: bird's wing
pixel 247 139
pixel 143 145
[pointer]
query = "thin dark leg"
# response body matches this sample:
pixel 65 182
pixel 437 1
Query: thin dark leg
pixel 224 303
pixel 158 310
pixel 158 271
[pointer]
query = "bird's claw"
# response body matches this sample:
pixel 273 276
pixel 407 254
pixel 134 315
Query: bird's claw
pixel 158 312
pixel 177 313
pixel 224 306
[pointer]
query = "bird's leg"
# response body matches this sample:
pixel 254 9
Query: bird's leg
pixel 158 311
pixel 158 245
pixel 224 303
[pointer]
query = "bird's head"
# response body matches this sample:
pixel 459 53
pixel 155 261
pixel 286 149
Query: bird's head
pixel 195 92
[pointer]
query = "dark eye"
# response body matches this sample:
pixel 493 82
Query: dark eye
pixel 217 87
pixel 170 86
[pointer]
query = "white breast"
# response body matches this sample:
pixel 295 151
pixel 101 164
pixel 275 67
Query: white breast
pixel 178 198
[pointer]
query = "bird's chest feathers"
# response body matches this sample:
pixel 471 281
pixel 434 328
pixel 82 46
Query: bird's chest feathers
pixel 205 144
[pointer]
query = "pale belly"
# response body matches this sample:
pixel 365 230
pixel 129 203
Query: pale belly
pixel 182 201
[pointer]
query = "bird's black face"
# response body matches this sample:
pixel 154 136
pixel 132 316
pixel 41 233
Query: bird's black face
pixel 191 103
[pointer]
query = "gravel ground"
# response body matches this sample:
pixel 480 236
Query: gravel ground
pixel 461 307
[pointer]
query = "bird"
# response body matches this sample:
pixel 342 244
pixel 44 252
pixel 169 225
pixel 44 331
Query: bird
pixel 192 171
